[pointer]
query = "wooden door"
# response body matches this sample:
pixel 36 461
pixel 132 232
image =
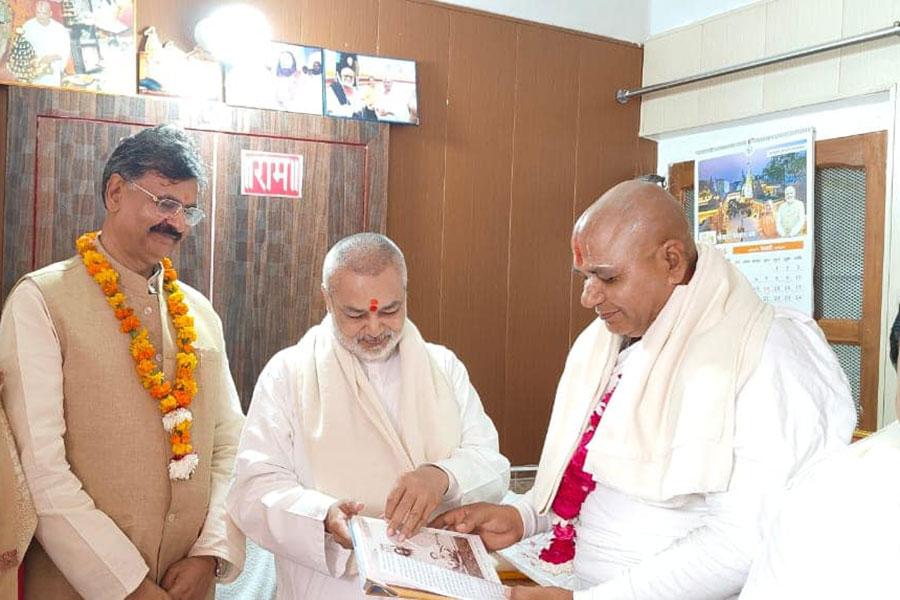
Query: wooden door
pixel 258 259
pixel 849 255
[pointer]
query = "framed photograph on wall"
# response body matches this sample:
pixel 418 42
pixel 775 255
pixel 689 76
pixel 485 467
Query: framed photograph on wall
pixel 75 44
pixel 288 77
pixel 370 88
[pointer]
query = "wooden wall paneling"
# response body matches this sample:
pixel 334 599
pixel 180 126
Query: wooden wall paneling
pixel 544 171
pixel 477 203
pixel 18 213
pixel 349 25
pixel 416 181
pixel 4 104
pixel 607 148
pixel 175 19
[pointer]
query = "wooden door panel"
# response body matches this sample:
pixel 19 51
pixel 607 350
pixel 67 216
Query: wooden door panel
pixel 269 251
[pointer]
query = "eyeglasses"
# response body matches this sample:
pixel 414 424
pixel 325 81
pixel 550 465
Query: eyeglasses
pixel 170 207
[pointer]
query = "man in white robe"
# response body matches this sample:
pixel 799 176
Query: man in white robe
pixel 838 534
pixel 360 417
pixel 713 401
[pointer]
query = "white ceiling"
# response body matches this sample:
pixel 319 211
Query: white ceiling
pixel 630 20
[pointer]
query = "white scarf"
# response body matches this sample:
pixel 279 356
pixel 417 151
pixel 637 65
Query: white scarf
pixel 669 427
pixel 354 451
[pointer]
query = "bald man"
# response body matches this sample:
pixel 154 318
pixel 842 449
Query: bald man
pixel 683 410
pixel 362 416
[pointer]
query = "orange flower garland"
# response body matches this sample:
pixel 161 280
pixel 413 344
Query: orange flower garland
pixel 173 398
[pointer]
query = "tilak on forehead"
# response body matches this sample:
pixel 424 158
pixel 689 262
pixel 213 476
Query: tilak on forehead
pixel 577 252
pixel 373 305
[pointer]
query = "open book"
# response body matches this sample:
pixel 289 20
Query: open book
pixel 430 565
pixel 525 556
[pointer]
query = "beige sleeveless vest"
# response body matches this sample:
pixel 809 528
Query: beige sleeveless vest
pixel 115 442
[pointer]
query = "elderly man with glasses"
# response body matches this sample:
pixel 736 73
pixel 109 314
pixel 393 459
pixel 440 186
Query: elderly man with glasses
pixel 120 399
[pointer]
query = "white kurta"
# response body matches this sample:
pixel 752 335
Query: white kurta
pixel 273 502
pixel 795 406
pixel 838 535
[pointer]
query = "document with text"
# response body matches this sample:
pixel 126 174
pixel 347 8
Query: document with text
pixel 432 564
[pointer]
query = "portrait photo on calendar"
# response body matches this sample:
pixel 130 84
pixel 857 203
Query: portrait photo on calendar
pixel 370 88
pixel 757 192
pixel 75 44
pixel 285 77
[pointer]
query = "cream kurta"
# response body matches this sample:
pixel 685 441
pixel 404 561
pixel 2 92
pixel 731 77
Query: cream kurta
pixel 275 499
pixel 91 439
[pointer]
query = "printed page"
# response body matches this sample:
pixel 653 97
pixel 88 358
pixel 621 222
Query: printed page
pixel 437 561
pixel 524 556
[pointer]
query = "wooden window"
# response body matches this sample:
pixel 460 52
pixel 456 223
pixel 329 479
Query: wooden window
pixel 849 255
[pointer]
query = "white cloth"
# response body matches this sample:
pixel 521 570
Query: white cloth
pixel 273 499
pixel 673 433
pixel 795 407
pixel 48 40
pixel 838 535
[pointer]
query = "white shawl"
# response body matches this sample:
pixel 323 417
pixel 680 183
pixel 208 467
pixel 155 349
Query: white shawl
pixel 355 452
pixel 669 427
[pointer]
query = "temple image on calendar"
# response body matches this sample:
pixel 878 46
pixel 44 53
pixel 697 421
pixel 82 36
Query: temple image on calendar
pixel 753 194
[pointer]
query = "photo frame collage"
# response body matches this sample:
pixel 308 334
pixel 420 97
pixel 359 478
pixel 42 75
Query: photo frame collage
pixel 318 81
pixel 90 45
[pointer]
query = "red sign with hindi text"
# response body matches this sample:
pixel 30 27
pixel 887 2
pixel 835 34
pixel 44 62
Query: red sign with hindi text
pixel 271 174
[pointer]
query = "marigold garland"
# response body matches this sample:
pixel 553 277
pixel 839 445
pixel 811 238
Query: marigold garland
pixel 173 398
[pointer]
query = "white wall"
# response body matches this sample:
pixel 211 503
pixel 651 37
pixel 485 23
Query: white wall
pixel 671 14
pixel 861 114
pixel 620 19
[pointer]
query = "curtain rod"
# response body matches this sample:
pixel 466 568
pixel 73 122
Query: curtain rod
pixel 623 95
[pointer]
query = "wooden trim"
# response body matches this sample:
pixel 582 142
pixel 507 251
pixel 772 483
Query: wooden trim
pixel 841 331
pixel 875 160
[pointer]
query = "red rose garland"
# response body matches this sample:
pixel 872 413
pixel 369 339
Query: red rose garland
pixel 574 488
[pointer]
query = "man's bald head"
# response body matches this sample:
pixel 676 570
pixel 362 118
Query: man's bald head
pixel 633 246
pixel 638 213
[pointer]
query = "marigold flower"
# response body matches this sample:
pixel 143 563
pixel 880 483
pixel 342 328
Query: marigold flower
pixel 145 367
pixel 124 313
pixel 161 390
pixel 129 324
pixel 116 300
pixel 168 404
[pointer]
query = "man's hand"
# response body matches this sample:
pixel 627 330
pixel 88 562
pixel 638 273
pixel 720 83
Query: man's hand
pixel 497 525
pixel 522 592
pixel 148 591
pixel 337 521
pixel 414 497
pixel 190 578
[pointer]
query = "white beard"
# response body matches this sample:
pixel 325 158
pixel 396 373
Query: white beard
pixel 354 347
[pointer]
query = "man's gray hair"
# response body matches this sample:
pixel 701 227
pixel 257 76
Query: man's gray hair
pixel 364 254
pixel 164 149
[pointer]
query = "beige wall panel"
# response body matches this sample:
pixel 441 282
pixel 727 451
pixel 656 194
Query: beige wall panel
pixel 795 24
pixel 731 40
pixel 874 65
pixel 674 55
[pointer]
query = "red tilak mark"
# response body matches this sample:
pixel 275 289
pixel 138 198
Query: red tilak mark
pixel 579 257
pixel 373 305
